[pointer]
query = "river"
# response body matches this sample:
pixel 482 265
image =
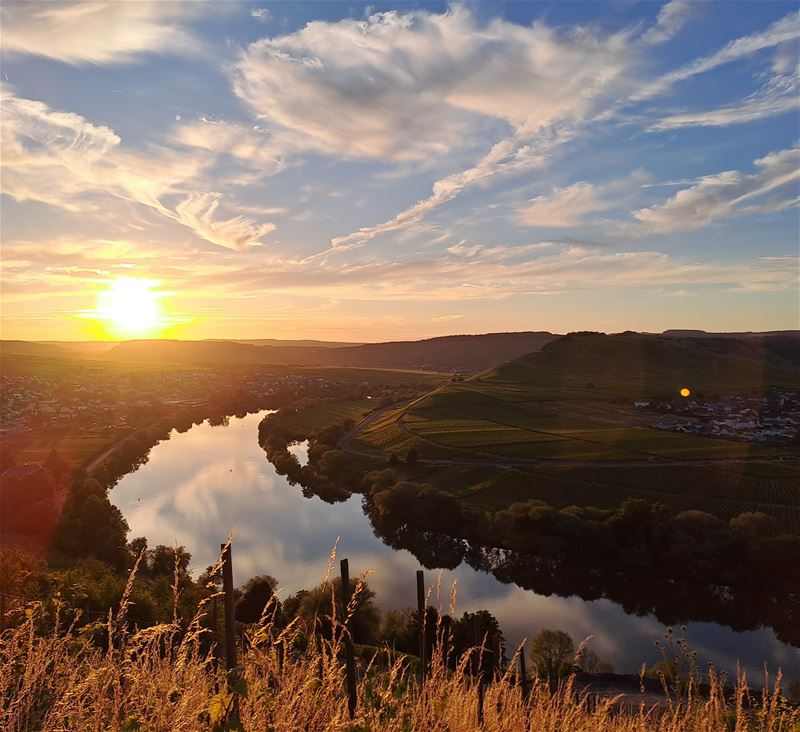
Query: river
pixel 211 480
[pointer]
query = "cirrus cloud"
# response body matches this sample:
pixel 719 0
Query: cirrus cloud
pixel 97 32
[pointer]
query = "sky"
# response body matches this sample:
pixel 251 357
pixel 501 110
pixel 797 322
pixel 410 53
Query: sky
pixel 383 171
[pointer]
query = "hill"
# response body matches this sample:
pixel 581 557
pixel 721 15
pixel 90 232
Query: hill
pixel 290 343
pixel 29 348
pixel 463 353
pixel 562 426
pixel 645 366
pixel 460 353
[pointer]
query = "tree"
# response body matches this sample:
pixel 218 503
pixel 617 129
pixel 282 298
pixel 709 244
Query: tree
pixel 479 630
pixel 162 560
pixel 256 595
pixel 366 618
pixel 399 630
pixel 551 654
pixel 58 467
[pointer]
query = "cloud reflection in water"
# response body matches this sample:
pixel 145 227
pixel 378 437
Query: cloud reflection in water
pixel 200 485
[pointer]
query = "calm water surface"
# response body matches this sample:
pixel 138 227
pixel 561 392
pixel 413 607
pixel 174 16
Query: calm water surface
pixel 200 485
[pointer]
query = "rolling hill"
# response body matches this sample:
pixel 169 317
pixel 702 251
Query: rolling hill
pixel 462 353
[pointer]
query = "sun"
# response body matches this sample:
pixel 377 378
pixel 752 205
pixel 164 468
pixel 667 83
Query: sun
pixel 685 392
pixel 129 306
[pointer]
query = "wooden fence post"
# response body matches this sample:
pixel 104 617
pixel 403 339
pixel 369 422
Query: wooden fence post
pixel 523 672
pixel 230 623
pixel 421 619
pixel 350 661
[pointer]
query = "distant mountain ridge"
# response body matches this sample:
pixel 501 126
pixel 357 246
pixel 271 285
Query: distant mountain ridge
pixel 456 353
pixel 461 353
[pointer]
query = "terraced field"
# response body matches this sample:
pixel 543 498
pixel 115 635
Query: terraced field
pixel 516 433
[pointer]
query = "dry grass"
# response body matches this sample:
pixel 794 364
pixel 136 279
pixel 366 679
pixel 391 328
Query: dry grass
pixel 158 680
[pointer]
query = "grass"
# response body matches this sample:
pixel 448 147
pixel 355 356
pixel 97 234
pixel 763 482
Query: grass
pixel 75 448
pixel 161 678
pixel 309 420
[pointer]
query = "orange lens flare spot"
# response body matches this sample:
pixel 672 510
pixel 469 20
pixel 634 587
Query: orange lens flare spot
pixel 685 392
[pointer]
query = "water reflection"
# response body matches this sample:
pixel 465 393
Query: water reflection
pixel 200 485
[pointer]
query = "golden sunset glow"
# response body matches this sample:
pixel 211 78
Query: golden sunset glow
pixel 130 307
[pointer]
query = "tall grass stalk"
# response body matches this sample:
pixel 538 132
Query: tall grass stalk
pixel 164 679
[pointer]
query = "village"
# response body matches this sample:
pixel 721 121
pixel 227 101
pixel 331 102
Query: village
pixel 774 417
pixel 103 400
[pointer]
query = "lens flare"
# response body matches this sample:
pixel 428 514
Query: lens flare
pixel 685 392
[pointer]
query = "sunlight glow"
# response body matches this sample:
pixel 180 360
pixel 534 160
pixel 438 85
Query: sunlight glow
pixel 685 392
pixel 130 307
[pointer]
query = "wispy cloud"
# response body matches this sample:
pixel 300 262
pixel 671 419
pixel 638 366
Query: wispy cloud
pixel 569 206
pixel 671 18
pixel 97 32
pixel 778 32
pixel 565 207
pixel 261 14
pixel 719 196
pixel 62 159
pixel 198 212
pixel 778 96
pixel 260 151
pixel 445 318
pixel 411 84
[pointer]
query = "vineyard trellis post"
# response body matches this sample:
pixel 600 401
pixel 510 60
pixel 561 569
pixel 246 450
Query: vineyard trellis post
pixel 421 621
pixel 350 662
pixel 523 672
pixel 230 623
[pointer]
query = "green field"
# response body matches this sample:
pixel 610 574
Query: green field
pixel 574 401
pixel 575 406
pixel 315 418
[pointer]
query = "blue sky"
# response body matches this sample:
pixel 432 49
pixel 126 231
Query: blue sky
pixel 357 171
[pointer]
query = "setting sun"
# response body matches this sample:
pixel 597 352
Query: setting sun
pixel 130 306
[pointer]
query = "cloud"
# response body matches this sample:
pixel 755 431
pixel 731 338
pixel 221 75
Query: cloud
pixel 261 14
pixel 778 96
pixel 497 272
pixel 565 207
pixel 445 318
pixel 198 213
pixel 251 145
pixel 568 206
pixel 409 85
pixel 97 32
pixel 671 18
pixel 508 155
pixel 725 194
pixel 63 160
pixel 779 32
